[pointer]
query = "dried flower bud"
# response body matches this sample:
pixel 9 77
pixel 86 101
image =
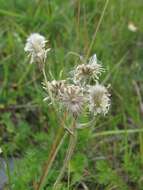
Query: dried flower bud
pixel 55 87
pixel 99 99
pixel 73 99
pixel 85 72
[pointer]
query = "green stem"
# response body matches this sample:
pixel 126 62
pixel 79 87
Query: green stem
pixel 118 132
pixel 57 143
pixel 97 28
pixel 55 148
pixel 72 143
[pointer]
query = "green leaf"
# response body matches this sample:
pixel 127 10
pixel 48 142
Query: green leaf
pixel 77 166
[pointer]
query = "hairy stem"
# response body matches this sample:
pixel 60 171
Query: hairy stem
pixel 72 143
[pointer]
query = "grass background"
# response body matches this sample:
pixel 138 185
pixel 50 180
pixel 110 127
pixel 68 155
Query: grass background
pixel 109 157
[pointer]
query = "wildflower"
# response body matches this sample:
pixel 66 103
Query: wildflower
pixel 99 99
pixel 35 46
pixel 55 87
pixel 72 98
pixel 85 72
pixel 132 27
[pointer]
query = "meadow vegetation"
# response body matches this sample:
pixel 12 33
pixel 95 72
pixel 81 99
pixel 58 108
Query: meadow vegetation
pixel 109 155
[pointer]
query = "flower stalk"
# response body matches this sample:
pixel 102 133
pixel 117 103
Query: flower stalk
pixel 70 150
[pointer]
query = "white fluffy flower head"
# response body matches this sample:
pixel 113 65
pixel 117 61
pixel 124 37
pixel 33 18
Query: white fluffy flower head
pixel 35 46
pixel 99 99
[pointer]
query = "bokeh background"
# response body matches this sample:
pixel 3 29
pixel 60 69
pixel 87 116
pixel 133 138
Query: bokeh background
pixel 109 157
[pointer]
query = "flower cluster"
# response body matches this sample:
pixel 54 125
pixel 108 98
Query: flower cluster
pixel 74 96
pixel 82 91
